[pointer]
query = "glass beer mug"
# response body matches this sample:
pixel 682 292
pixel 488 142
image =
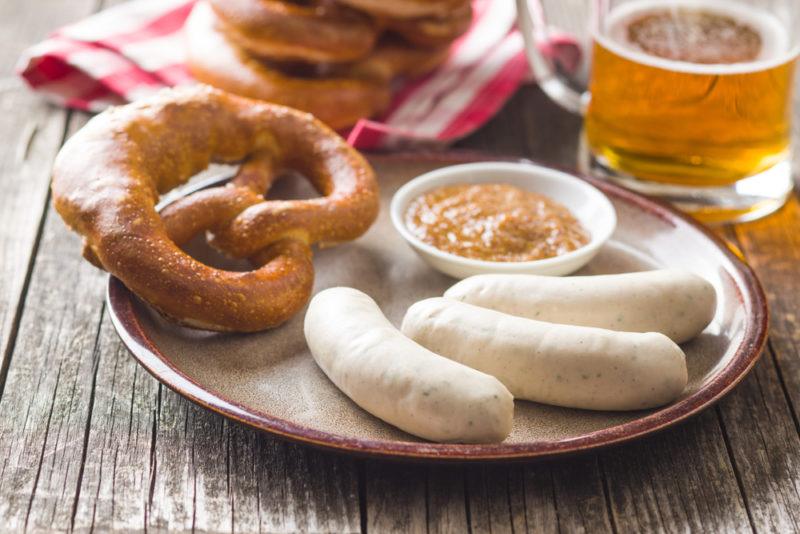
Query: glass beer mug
pixel 688 100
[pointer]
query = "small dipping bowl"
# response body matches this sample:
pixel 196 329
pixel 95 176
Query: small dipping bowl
pixel 586 203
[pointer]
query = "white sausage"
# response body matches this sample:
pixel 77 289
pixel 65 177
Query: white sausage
pixel 572 366
pixel 676 303
pixel 399 381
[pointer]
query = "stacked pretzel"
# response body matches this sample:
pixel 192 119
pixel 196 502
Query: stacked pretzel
pixel 334 58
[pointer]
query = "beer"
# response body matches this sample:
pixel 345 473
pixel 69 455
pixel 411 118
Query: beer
pixel 693 93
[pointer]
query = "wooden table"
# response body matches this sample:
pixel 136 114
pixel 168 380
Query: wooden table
pixel 88 440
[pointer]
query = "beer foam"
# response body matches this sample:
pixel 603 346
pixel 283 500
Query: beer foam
pixel 776 46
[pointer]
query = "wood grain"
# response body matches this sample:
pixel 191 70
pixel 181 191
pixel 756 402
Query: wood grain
pixel 49 385
pixel 680 480
pixel 395 496
pixel 51 337
pixel 760 417
pixel 446 499
pixel 114 492
pixel 764 445
pixel 31 132
pixel 496 499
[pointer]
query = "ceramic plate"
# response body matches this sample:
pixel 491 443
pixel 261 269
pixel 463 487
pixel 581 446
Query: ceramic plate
pixel 270 381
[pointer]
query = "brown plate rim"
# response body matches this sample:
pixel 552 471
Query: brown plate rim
pixel 122 310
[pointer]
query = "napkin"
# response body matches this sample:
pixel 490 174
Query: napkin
pixel 132 50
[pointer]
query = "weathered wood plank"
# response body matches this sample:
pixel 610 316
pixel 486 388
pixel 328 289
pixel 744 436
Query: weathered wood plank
pixel 31 132
pixel 559 496
pixel 48 391
pixel 51 343
pixel 581 499
pixel 496 499
pixel 446 499
pixel 760 417
pixel 772 247
pixel 436 498
pixel 396 497
pixel 765 448
pixel 679 480
pixel 541 506
pixel 299 488
pixel 114 494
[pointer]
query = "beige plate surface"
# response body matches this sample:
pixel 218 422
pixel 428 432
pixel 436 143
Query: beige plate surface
pixel 270 381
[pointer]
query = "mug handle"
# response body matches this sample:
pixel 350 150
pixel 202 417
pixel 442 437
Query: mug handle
pixel 534 32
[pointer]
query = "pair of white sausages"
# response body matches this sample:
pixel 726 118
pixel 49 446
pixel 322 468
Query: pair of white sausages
pixel 422 387
pixel 399 381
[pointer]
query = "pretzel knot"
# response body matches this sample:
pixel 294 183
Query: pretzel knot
pixel 107 179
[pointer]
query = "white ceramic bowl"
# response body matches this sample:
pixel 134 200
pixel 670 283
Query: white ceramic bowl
pixel 587 204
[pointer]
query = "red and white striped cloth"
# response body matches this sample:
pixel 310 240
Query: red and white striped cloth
pixel 132 50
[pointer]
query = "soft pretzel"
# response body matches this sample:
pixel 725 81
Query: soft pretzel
pixel 215 59
pixel 108 177
pixel 338 95
pixel 316 32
